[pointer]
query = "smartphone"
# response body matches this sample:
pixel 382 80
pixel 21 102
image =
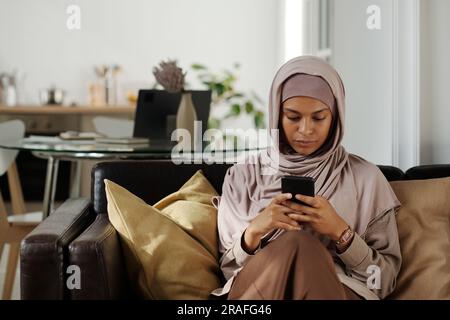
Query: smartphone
pixel 297 185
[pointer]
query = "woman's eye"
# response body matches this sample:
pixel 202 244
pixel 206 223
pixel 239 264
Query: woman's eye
pixel 298 118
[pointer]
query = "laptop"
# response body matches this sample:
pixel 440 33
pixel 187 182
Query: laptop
pixel 156 111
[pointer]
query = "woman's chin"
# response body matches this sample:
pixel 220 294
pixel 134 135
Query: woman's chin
pixel 304 151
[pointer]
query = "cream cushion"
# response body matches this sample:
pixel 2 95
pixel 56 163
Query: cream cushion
pixel 424 234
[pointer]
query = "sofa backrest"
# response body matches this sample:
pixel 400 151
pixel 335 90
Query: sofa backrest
pixel 434 171
pixel 151 180
pixel 392 173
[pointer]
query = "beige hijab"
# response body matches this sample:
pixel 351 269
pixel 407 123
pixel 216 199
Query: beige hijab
pixel 356 188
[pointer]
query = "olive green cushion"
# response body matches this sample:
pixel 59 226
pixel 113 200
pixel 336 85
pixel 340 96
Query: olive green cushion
pixel 170 248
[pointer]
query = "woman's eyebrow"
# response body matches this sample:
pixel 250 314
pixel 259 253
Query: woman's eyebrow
pixel 287 109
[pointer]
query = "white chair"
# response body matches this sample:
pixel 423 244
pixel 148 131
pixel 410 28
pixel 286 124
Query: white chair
pixel 113 127
pixel 13 228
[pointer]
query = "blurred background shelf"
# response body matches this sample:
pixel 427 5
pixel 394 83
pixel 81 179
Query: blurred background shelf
pixel 51 121
pixel 57 109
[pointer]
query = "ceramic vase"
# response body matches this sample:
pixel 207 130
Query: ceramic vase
pixel 186 116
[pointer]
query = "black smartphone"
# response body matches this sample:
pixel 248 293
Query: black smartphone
pixel 297 185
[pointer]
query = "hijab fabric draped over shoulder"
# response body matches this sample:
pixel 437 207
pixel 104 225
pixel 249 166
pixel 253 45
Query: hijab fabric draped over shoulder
pixel 356 188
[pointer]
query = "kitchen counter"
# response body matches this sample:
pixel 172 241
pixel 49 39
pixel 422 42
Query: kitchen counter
pixel 67 110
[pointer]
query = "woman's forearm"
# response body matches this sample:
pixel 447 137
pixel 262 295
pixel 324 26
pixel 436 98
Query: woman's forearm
pixel 250 241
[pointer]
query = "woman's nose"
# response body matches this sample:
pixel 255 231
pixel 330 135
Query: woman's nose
pixel 305 127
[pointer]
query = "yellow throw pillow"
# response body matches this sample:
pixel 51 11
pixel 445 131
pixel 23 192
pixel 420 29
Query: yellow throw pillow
pixel 171 247
pixel 424 234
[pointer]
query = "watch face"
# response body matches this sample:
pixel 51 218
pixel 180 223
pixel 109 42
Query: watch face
pixel 347 236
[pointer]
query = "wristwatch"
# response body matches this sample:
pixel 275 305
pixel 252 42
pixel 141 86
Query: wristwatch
pixel 345 237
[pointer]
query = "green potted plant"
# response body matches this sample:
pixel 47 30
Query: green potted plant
pixel 223 88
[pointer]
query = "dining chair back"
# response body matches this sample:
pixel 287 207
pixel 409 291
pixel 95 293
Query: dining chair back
pixel 13 227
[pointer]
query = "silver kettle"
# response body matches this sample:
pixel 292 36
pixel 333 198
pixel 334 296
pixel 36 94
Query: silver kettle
pixel 52 96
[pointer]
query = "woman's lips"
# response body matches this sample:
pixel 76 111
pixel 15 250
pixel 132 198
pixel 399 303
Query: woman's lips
pixel 305 143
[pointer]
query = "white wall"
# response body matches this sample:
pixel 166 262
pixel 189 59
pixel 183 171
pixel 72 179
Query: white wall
pixel 365 61
pixel 137 34
pixel 435 85
pixel 398 109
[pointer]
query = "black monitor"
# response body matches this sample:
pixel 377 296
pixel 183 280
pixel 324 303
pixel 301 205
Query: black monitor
pixel 156 111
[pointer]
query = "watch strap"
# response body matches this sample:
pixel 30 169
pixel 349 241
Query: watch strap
pixel 345 237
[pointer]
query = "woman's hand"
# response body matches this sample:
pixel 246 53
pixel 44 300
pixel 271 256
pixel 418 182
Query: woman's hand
pixel 319 214
pixel 274 216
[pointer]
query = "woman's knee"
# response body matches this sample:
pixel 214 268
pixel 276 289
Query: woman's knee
pixel 302 244
pixel 297 239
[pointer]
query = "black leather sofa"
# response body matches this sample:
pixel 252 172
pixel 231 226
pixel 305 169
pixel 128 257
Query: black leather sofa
pixel 79 232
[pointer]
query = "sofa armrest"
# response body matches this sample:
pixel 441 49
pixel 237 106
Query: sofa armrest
pixel 98 254
pixel 43 253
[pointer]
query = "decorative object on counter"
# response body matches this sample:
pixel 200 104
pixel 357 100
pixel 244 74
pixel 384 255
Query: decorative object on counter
pixel 8 89
pixel 186 116
pixel 52 96
pixel 223 90
pixel 172 78
pixel 96 96
pixel 131 89
pixel 132 96
pixel 108 75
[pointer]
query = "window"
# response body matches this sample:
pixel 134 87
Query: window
pixel 308 28
pixel 324 29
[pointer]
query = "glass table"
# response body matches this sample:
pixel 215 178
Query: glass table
pixel 55 149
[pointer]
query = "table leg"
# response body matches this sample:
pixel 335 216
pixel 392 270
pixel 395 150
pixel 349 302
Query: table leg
pixel 50 185
pixel 75 179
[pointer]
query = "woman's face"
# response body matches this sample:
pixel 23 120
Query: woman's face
pixel 306 123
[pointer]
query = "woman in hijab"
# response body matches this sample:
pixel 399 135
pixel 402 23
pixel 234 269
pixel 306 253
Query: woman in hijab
pixel 343 242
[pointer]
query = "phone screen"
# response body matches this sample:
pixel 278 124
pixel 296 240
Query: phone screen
pixel 298 185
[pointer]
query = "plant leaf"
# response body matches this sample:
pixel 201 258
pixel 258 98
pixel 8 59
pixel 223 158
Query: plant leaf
pixel 249 107
pixel 207 83
pixel 198 66
pixel 259 120
pixel 213 123
pixel 220 88
pixel 235 109
pixel 235 95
